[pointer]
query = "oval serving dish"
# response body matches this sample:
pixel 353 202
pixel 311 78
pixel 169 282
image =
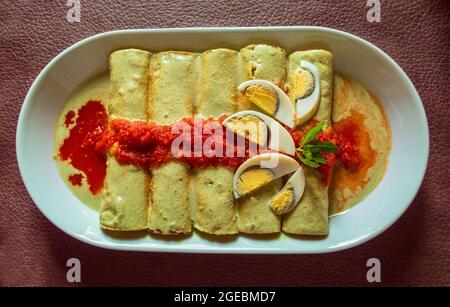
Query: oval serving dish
pixel 353 56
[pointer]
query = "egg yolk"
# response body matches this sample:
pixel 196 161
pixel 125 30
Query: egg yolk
pixel 263 97
pixel 250 127
pixel 282 202
pixel 252 179
pixel 303 83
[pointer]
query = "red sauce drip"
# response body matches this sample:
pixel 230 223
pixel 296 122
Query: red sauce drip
pixel 80 147
pixel 357 156
pixel 76 179
pixel 69 118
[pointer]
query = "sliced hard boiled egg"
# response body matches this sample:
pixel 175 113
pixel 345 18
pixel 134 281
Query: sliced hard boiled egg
pixel 289 196
pixel 306 91
pixel 248 124
pixel 252 179
pixel 303 83
pixel 283 200
pixel 264 97
pixel 260 170
pixel 270 99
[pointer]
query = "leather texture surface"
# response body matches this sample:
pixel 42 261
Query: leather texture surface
pixel 414 251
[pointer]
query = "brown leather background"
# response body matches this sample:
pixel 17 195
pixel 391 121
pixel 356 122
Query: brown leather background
pixel 415 251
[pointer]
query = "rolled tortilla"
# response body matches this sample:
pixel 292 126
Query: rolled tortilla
pixel 172 95
pixel 215 211
pixel 310 216
pixel 125 204
pixel 254 214
pixel 264 62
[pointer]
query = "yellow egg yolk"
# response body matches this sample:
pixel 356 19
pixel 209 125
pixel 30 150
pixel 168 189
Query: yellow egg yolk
pixel 303 83
pixel 282 202
pixel 250 127
pixel 252 179
pixel 263 97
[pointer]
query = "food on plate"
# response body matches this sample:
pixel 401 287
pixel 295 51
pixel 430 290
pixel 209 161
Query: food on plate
pixel 248 126
pixel 310 216
pixel 306 87
pixel 252 179
pixel 81 168
pixel 255 126
pixel 125 204
pixel 260 170
pixel 264 62
pixel 271 99
pixel 254 141
pixel 267 63
pixel 290 195
pixel 173 76
pixel 254 214
pixel 304 80
pixel 283 200
pixel 262 96
pixel 215 211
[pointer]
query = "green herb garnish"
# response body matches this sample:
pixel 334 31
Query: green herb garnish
pixel 310 148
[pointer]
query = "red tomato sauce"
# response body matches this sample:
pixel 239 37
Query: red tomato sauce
pixel 149 145
pixel 80 147
pixel 76 179
pixel 68 120
pixel 352 171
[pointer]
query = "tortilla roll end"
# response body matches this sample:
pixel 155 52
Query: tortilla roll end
pixel 323 59
pixel 125 195
pixel 254 213
pixel 215 212
pixel 310 217
pixel 169 211
pixel 172 94
pixel 125 186
pixel 265 62
pixel 129 83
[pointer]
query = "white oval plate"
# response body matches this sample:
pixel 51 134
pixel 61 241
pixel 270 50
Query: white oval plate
pixel 353 56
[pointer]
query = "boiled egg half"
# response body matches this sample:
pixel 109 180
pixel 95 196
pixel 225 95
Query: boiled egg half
pixel 271 99
pixel 262 130
pixel 306 91
pixel 262 169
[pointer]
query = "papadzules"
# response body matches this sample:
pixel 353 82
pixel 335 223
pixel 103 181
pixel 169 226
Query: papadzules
pixel 215 211
pixel 167 194
pixel 171 97
pixel 125 199
pixel 254 214
pixel 310 216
